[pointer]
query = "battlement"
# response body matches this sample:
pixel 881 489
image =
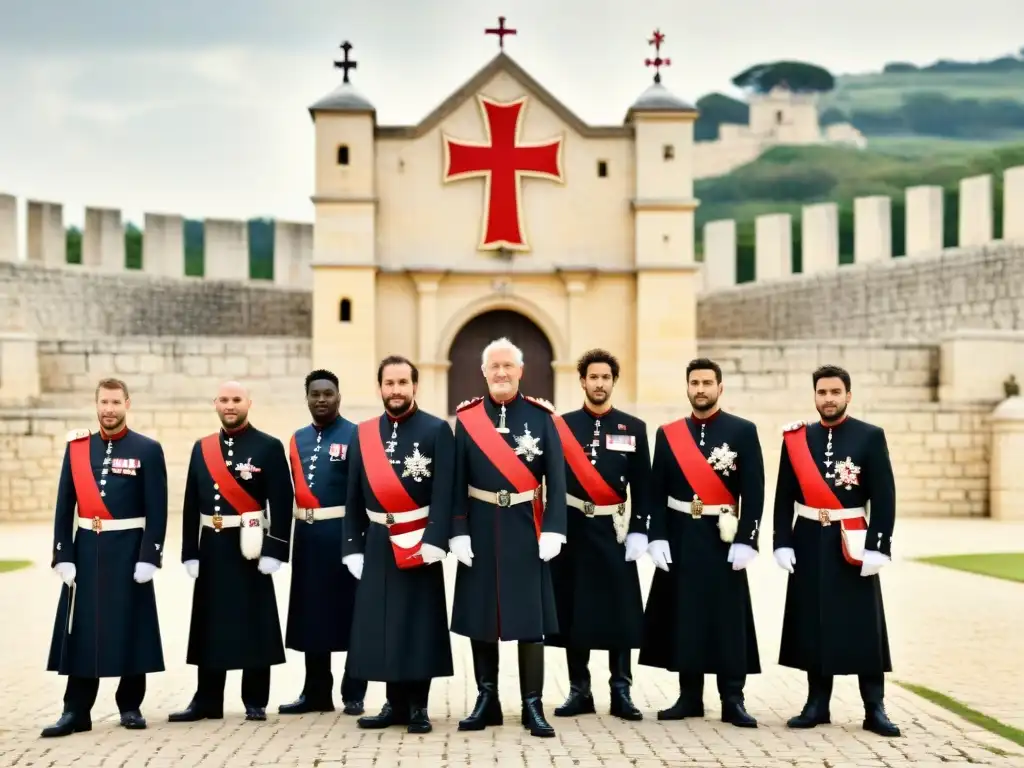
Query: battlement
pixel 168 245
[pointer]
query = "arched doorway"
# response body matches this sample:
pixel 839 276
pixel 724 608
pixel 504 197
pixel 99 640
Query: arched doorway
pixel 465 381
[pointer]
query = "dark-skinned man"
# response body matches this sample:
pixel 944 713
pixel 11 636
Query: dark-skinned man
pixel 396 534
pixel 237 478
pixel 708 498
pixel 831 473
pixel 606 451
pixel 503 536
pixel 106 623
pixel 322 589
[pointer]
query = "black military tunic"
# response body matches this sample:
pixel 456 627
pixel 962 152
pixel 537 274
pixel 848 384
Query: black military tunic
pixel 400 625
pixel 114 629
pixel 235 622
pixel 834 622
pixel 698 618
pixel 591 577
pixel 322 589
pixel 507 593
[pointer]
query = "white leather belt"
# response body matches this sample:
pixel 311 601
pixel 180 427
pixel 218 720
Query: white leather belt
pixel 320 513
pixel 217 522
pixel 698 508
pixel 502 498
pixel 395 518
pixel 829 516
pixel 98 524
pixel 590 509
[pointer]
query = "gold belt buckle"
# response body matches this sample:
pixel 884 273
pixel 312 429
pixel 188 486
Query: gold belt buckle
pixel 218 522
pixel 310 515
pixel 389 519
pixel 97 524
pixel 696 507
pixel 588 508
pixel 504 498
pixel 823 517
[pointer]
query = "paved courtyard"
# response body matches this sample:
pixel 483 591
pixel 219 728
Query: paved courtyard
pixel 953 632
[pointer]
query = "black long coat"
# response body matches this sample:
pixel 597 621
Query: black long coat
pixel 507 593
pixel 323 590
pixel 699 618
pixel 114 629
pixel 834 621
pixel 400 626
pixel 600 603
pixel 235 622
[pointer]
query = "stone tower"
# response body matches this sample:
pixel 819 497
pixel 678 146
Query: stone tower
pixel 667 275
pixel 344 240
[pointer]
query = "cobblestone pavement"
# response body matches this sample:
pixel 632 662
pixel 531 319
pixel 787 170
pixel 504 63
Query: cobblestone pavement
pixel 957 633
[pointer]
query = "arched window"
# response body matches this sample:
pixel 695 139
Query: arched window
pixel 345 311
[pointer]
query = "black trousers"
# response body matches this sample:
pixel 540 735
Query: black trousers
pixel 872 688
pixel 255 688
pixel 80 693
pixel 408 694
pixel 730 688
pixel 619 667
pixel 320 680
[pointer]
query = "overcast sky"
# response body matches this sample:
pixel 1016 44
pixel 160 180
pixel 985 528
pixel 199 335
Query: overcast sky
pixel 199 106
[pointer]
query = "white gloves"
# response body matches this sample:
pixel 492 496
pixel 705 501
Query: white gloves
pixel 660 553
pixel 460 547
pixel 872 562
pixel 192 568
pixel 786 558
pixel 144 572
pixel 431 554
pixel 354 563
pixel 741 555
pixel 636 545
pixel 66 571
pixel 550 544
pixel 269 565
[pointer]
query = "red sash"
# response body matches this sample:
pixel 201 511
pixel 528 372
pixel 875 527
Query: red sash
pixel 229 488
pixel 303 495
pixel 391 494
pixel 816 491
pixel 593 483
pixel 90 503
pixel 489 440
pixel 704 481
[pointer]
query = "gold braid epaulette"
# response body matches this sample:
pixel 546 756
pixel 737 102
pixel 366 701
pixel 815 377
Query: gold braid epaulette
pixel 78 434
pixel 792 427
pixel 547 406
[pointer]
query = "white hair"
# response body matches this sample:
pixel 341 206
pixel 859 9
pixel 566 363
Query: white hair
pixel 502 343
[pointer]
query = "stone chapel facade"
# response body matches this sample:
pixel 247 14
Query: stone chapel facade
pixel 502 213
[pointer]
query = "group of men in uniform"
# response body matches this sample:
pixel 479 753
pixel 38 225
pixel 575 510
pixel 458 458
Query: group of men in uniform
pixel 546 514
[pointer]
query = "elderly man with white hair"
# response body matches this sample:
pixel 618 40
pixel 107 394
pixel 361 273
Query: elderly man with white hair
pixel 504 534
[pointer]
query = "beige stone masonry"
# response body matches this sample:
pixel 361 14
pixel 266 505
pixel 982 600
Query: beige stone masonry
pixel 1006 481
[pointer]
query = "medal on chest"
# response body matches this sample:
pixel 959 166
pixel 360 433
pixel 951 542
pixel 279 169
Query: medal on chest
pixel 845 473
pixel 416 465
pixel 527 445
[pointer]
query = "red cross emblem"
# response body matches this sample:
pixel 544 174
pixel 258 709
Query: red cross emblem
pixel 502 161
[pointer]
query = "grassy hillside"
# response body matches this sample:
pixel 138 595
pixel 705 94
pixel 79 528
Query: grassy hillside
pixel 877 91
pixel 785 179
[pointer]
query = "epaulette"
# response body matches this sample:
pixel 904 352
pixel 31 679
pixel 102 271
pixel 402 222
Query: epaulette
pixel 792 427
pixel 466 403
pixel 78 434
pixel 541 402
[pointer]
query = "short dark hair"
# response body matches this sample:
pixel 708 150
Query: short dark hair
pixel 597 356
pixel 704 364
pixel 111 383
pixel 319 374
pixel 831 372
pixel 397 360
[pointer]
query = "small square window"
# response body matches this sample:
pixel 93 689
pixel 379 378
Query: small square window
pixel 343 154
pixel 668 152
pixel 602 168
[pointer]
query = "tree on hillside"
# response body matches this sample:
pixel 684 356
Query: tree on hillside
pixel 715 109
pixel 797 76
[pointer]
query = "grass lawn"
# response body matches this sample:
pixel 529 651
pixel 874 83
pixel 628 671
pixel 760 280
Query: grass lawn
pixel 1001 565
pixel 970 715
pixel 13 565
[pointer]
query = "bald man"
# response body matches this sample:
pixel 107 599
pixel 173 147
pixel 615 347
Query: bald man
pixel 236 526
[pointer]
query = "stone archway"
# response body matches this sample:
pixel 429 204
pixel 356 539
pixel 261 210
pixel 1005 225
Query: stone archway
pixel 465 381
